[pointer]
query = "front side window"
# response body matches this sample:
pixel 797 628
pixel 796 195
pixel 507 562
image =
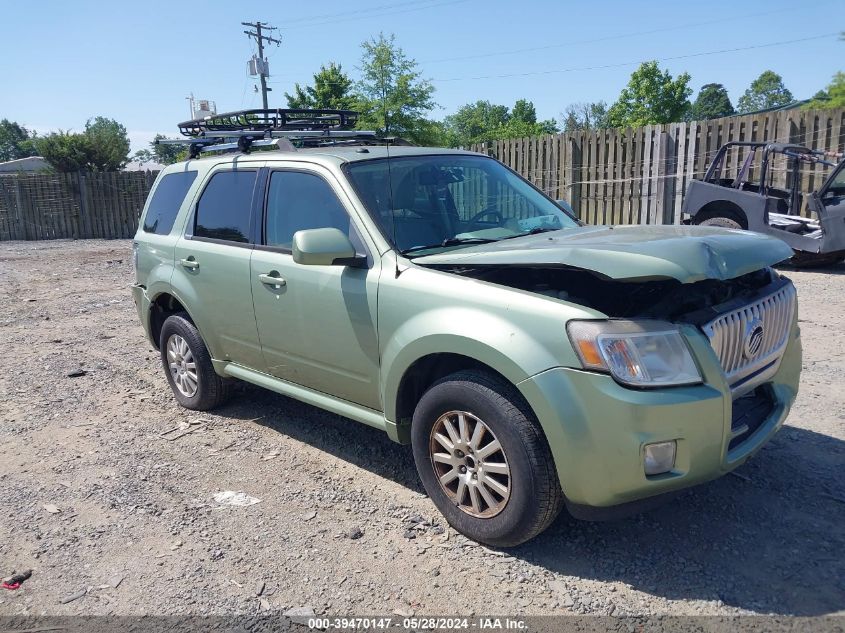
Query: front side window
pixel 297 201
pixel 166 201
pixel 223 209
pixel 429 203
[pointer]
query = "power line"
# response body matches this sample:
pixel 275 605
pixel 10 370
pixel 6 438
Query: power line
pixel 623 64
pixel 571 43
pixel 374 15
pixel 632 63
pixel 324 16
pixel 262 66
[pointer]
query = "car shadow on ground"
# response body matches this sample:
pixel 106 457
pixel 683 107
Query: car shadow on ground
pixel 768 538
pixel 835 269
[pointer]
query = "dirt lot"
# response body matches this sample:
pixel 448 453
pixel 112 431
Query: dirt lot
pixel 92 496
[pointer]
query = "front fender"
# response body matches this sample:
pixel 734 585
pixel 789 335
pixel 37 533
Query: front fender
pixel 488 338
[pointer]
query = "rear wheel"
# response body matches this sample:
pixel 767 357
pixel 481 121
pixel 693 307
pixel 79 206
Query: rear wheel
pixel 484 459
pixel 187 365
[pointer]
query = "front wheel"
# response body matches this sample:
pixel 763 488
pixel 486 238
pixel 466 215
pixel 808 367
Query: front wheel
pixel 187 365
pixel 484 460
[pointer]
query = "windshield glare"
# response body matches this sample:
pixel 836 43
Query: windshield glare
pixel 449 201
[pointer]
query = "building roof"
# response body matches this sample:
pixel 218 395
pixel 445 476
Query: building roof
pixel 29 164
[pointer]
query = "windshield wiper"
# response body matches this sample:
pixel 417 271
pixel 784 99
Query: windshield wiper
pixel 534 231
pixel 450 241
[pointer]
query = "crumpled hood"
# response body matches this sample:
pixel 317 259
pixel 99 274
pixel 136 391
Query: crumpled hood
pixel 685 253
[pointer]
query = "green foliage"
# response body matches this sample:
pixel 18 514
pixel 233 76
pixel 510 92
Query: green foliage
pixel 483 121
pixel 585 116
pixel 650 97
pixel 108 144
pixel 431 134
pixel 15 141
pixel 767 91
pixel 712 102
pixel 833 96
pixel 332 90
pixel 167 154
pixel 524 111
pixel 475 122
pixel 103 146
pixel 65 151
pixel 394 99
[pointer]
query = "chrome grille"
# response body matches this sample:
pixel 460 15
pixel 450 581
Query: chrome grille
pixel 735 341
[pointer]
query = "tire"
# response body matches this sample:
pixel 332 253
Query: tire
pixel 195 384
pixel 722 222
pixel 532 497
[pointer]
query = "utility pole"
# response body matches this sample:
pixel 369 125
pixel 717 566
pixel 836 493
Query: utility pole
pixel 261 38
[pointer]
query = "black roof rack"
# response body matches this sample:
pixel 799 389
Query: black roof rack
pixel 273 119
pixel 245 129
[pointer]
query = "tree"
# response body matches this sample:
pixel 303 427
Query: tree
pixel 15 141
pixel 394 98
pixel 108 144
pixel 767 91
pixel 167 154
pixel 474 123
pixel 65 151
pixel 712 102
pixel 332 90
pixel 483 121
pixel 585 116
pixel 103 146
pixel 833 96
pixel 523 121
pixel 651 96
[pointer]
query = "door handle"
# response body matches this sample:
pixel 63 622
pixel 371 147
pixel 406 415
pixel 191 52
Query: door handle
pixel 190 263
pixel 272 279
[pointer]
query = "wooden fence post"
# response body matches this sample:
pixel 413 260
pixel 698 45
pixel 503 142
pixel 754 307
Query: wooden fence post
pixel 662 191
pixel 573 177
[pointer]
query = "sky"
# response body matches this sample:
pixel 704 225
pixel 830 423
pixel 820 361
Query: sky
pixel 136 62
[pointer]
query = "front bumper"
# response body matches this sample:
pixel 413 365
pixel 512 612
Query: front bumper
pixel 597 428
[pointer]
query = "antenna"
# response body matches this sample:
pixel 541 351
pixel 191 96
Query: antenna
pixel 390 206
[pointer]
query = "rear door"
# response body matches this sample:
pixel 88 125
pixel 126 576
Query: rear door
pixel 156 237
pixel 317 324
pixel 212 275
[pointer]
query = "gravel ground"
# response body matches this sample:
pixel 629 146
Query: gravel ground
pixel 115 518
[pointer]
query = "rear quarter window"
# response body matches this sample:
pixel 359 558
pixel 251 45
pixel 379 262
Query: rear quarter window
pixel 166 201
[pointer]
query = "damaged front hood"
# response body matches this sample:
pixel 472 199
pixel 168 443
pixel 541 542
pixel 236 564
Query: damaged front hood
pixel 685 253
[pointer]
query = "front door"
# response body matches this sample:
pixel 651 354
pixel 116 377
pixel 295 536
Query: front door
pixel 317 324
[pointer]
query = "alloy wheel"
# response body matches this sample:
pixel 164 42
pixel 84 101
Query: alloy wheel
pixel 470 464
pixel 183 368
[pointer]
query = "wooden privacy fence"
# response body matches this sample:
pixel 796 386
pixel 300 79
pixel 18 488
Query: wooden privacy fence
pixel 640 176
pixel 47 206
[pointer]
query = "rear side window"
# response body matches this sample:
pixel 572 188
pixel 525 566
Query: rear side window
pixel 224 207
pixel 165 203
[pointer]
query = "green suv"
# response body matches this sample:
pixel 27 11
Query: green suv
pixel 531 362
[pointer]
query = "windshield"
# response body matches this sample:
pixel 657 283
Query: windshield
pixel 446 201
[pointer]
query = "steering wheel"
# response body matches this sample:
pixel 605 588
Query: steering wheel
pixel 483 213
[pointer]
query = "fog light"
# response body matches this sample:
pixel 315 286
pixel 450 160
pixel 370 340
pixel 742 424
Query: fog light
pixel 659 458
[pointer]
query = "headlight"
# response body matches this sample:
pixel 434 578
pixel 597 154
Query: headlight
pixel 637 353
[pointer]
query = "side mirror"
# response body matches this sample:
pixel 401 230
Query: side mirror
pixel 323 247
